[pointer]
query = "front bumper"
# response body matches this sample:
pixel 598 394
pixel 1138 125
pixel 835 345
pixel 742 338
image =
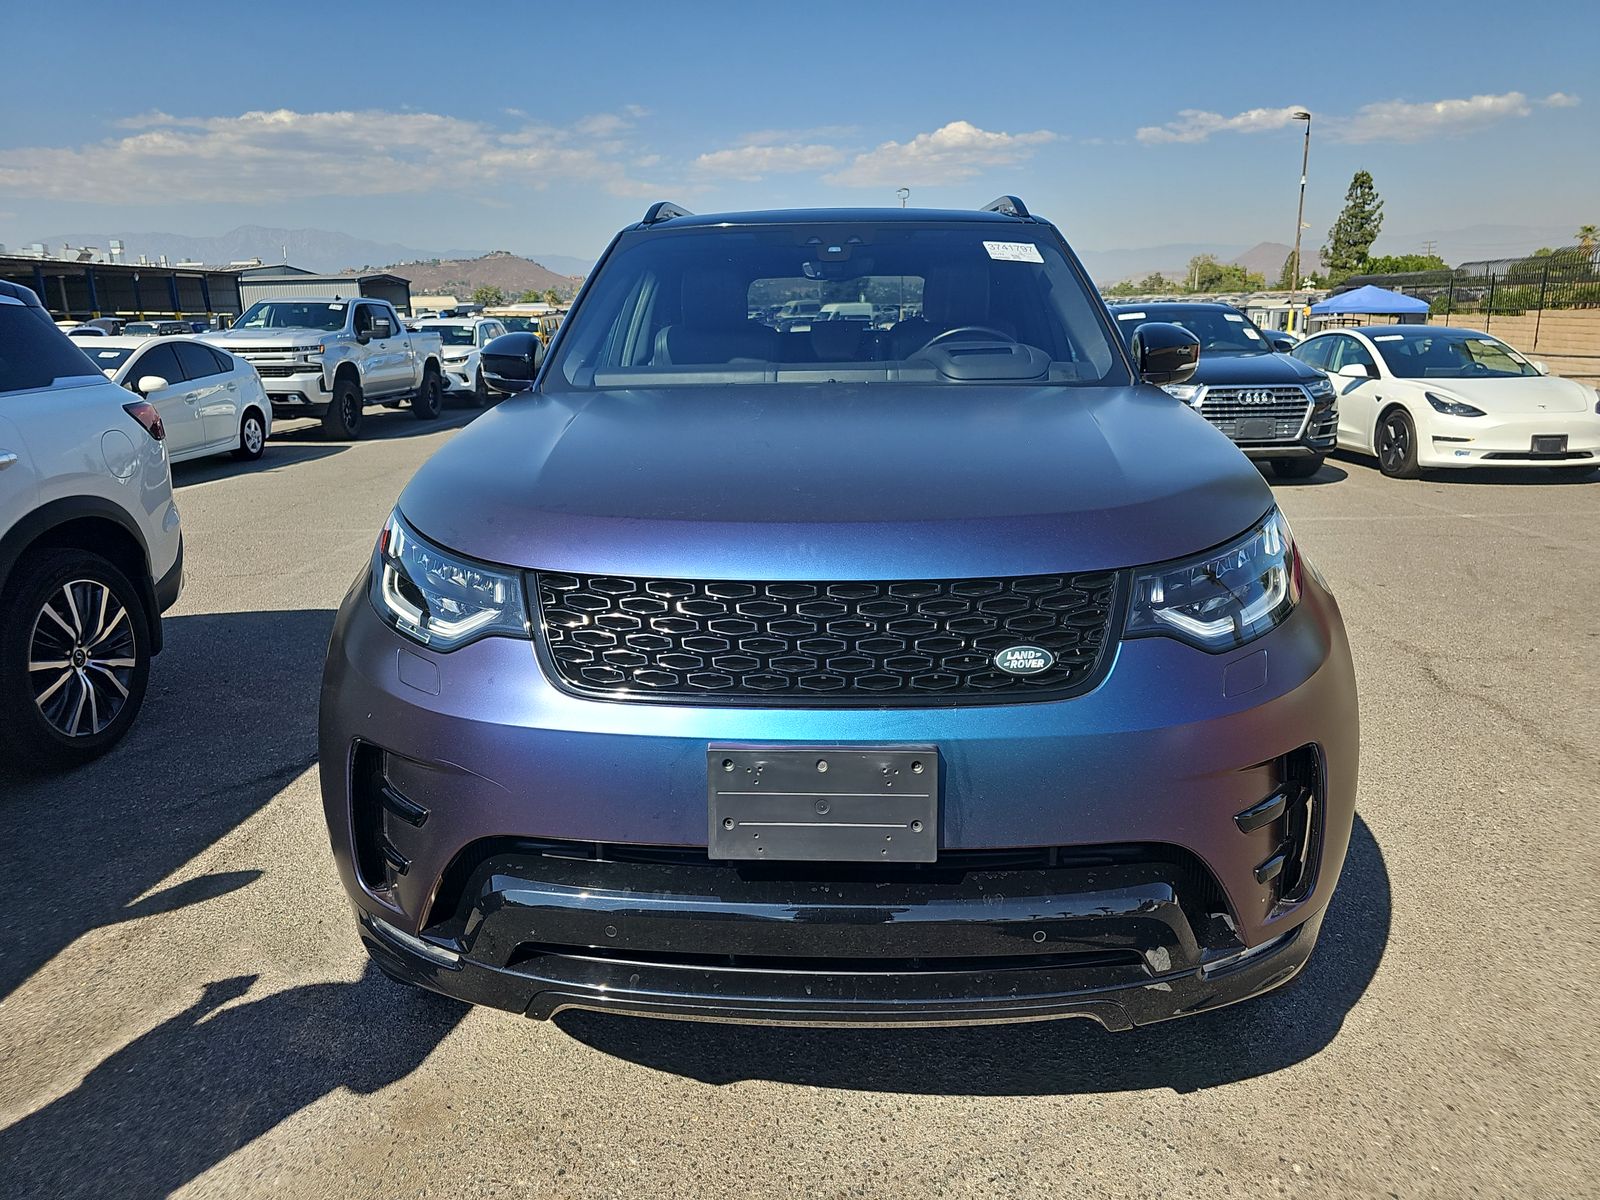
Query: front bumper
pixel 1446 441
pixel 459 376
pixel 1165 752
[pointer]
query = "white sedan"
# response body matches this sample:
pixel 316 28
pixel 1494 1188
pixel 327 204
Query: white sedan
pixel 209 401
pixel 464 339
pixel 1424 396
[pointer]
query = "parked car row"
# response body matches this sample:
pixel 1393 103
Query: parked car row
pixel 1413 396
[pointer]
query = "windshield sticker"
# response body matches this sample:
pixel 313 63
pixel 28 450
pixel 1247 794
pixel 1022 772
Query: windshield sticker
pixel 1014 251
pixel 1389 337
pixel 1251 334
pixel 1130 316
pixel 1234 317
pixel 108 354
pixel 336 307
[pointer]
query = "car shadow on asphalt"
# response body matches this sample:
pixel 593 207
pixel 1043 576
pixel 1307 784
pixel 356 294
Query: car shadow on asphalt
pixel 230 719
pixel 378 425
pixel 276 456
pixel 1328 473
pixel 1512 476
pixel 179 1099
pixel 1051 1058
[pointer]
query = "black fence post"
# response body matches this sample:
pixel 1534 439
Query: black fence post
pixel 1538 317
pixel 1488 309
pixel 1450 298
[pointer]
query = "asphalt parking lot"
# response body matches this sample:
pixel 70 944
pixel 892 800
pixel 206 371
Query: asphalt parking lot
pixel 184 1006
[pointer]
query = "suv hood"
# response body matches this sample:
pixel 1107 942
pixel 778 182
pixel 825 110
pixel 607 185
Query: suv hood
pixel 836 481
pixel 1264 368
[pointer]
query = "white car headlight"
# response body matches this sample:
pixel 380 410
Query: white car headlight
pixel 441 600
pixel 1189 393
pixel 1224 598
pixel 1451 407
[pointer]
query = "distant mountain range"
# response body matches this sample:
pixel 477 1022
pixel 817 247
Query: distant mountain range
pixel 314 249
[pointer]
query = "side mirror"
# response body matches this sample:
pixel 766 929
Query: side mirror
pixel 1164 353
pixel 1283 345
pixel 151 383
pixel 1540 367
pixel 1354 371
pixel 510 362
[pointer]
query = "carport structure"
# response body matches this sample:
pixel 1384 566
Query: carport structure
pixel 80 290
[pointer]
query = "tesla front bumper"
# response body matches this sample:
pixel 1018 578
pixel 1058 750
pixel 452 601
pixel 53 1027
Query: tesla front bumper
pixel 1571 439
pixel 1161 845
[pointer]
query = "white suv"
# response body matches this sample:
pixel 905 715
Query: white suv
pixel 464 339
pixel 91 552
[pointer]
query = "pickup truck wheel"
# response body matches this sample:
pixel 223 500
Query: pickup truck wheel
pixel 425 405
pixel 343 418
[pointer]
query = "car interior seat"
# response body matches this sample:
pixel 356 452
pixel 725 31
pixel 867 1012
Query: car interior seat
pixel 713 324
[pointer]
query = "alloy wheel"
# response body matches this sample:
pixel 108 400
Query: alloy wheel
pixel 81 657
pixel 254 436
pixel 1394 447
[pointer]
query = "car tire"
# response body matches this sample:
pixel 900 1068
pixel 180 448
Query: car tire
pixel 429 400
pixel 1396 444
pixel 1298 468
pixel 252 436
pixel 343 418
pixel 77 609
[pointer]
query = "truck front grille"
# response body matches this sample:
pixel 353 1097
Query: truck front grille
pixel 269 370
pixel 904 642
pixel 1257 414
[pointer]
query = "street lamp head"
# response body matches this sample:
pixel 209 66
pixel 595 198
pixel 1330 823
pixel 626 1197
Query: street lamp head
pixel 1302 115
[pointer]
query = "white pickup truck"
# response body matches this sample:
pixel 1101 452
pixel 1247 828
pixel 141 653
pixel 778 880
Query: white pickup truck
pixel 332 358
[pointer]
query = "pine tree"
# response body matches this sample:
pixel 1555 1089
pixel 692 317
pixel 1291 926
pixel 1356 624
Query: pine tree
pixel 1286 280
pixel 1353 233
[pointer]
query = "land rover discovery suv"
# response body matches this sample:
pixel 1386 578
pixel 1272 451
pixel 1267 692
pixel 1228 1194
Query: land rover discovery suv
pixel 943 672
pixel 1276 408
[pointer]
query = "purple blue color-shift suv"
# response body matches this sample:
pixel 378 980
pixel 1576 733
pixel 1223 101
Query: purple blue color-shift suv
pixel 911 661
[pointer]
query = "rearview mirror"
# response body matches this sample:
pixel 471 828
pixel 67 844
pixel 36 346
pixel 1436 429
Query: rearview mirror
pixel 151 383
pixel 1355 371
pixel 1164 353
pixel 510 362
pixel 1283 345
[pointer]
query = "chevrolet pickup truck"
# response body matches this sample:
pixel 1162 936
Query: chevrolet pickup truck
pixel 332 358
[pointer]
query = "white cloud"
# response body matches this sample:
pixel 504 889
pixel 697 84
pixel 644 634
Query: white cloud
pixel 1399 121
pixel 951 153
pixel 1384 121
pixel 752 162
pixel 1196 125
pixel 285 154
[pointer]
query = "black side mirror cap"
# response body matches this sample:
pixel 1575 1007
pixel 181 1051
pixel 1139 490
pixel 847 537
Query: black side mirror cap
pixel 511 361
pixel 1283 345
pixel 1164 353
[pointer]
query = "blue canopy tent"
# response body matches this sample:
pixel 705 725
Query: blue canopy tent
pixel 1370 301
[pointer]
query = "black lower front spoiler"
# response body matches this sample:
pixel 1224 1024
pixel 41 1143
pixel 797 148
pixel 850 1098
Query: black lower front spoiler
pixel 548 983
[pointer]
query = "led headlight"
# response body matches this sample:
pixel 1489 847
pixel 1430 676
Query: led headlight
pixel 1452 407
pixel 1320 388
pixel 1224 598
pixel 439 599
pixel 1189 393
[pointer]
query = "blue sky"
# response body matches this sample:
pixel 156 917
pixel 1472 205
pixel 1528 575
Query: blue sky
pixel 545 127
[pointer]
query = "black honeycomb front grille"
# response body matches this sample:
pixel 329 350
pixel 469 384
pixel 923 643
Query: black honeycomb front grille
pixel 824 644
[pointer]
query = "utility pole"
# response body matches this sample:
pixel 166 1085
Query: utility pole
pixel 1427 247
pixel 1299 221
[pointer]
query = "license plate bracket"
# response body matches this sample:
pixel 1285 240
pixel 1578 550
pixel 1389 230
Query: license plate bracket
pixel 823 803
pixel 1549 443
pixel 1255 429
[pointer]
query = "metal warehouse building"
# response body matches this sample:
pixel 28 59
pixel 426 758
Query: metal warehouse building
pixel 80 290
pixel 267 283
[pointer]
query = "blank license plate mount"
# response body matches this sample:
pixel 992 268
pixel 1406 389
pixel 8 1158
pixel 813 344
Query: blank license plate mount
pixel 823 803
pixel 1549 443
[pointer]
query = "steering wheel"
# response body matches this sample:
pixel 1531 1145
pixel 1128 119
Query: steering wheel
pixel 960 329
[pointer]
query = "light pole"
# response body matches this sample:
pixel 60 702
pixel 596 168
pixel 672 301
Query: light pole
pixel 1299 220
pixel 904 194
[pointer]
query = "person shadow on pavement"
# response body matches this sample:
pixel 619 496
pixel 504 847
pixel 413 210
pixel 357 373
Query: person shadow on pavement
pixel 179 1099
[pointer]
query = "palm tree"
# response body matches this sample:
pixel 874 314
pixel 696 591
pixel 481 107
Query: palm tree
pixel 1587 236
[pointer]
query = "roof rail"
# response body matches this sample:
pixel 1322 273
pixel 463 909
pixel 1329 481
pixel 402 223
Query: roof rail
pixel 664 210
pixel 1010 206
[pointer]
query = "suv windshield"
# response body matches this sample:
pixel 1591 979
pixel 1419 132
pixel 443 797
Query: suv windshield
pixel 858 302
pixel 1449 354
pixel 298 314
pixel 1220 330
pixel 451 335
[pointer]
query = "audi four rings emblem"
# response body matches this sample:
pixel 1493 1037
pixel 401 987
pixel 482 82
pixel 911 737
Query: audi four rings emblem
pixel 1255 397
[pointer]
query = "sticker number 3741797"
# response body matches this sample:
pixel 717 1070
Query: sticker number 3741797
pixel 1014 251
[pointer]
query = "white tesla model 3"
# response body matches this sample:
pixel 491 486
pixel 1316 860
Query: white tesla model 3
pixel 1425 396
